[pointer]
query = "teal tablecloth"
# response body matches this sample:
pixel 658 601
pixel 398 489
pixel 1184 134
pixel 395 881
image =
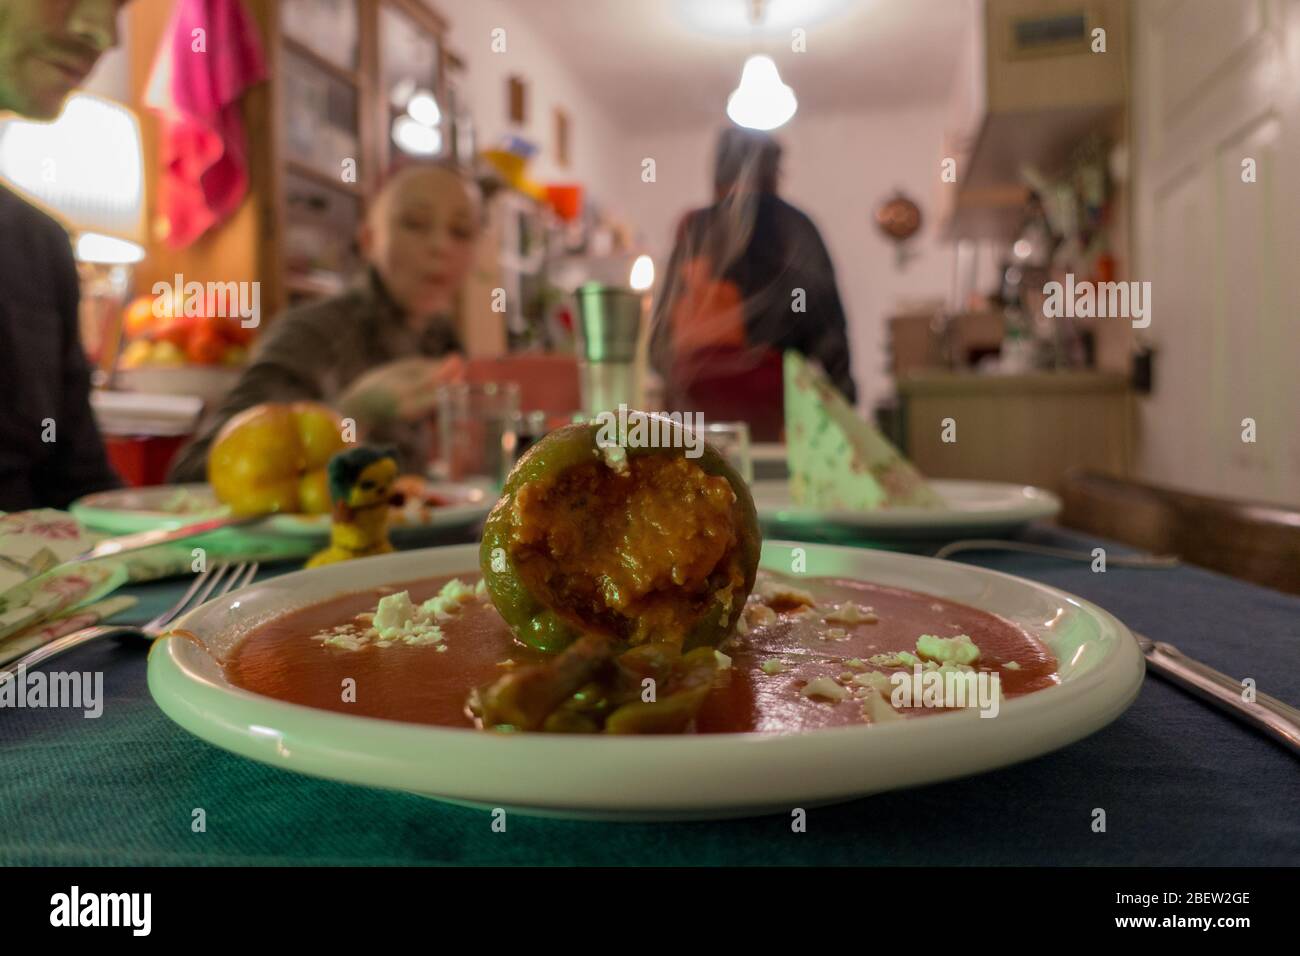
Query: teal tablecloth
pixel 1180 782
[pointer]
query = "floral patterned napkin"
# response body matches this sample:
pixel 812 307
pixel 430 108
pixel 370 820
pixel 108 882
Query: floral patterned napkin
pixel 82 616
pixel 36 606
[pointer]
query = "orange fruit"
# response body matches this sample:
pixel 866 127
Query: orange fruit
pixel 139 317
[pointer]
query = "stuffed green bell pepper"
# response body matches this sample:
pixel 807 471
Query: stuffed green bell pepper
pixel 635 544
pixel 630 564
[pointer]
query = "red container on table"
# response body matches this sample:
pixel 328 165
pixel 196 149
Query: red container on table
pixel 142 460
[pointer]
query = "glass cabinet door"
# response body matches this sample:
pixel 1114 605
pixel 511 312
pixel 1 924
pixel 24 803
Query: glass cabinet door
pixel 415 117
pixel 329 28
pixel 320 116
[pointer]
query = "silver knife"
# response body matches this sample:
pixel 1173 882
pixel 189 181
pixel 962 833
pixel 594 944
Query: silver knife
pixel 110 547
pixel 1276 719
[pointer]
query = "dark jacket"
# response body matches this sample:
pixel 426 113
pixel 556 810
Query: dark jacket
pixel 773 270
pixel 51 452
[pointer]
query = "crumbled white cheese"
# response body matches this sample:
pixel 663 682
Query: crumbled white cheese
pixel 874 680
pixel 393 615
pixel 850 613
pixel 348 642
pixel 876 709
pixel 771 590
pixel 615 456
pixel 454 595
pixel 901 659
pixel 396 619
pixel 429 634
pixel 824 687
pixel 1011 666
pixel 480 589
pixel 759 615
pixel 772 666
pixel 957 650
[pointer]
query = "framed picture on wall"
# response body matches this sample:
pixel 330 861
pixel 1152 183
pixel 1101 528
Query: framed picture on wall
pixel 562 130
pixel 517 100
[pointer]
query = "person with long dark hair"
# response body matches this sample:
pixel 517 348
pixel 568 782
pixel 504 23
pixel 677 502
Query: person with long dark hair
pixel 749 278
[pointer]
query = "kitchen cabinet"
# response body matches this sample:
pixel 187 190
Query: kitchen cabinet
pixel 1028 89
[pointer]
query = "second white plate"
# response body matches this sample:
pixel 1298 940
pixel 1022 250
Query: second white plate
pixel 975 508
pixel 127 510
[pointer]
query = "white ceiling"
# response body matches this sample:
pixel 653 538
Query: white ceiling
pixel 672 63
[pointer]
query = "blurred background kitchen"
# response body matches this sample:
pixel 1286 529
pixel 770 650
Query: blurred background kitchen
pixel 955 157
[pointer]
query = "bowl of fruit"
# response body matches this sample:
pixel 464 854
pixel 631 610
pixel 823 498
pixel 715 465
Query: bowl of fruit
pixel 180 350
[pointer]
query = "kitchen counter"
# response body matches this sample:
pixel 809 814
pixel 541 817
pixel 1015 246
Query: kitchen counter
pixel 1027 429
pixel 970 383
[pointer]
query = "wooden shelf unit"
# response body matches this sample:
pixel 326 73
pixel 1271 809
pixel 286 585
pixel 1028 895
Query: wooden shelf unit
pixel 256 243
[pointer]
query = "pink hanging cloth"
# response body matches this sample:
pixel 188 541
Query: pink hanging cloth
pixel 210 54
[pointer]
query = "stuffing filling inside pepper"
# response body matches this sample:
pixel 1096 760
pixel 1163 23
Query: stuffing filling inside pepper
pixel 640 554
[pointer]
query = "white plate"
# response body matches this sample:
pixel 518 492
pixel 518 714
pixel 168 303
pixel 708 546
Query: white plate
pixel 693 776
pixel 127 510
pixel 975 508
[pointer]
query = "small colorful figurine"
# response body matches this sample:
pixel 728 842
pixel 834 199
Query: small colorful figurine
pixel 360 481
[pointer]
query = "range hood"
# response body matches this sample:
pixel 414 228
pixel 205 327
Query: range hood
pixel 1030 87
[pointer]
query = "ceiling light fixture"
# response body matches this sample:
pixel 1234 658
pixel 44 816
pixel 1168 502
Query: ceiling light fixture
pixel 761 101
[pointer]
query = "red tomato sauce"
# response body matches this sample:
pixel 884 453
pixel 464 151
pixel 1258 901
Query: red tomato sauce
pixel 421 684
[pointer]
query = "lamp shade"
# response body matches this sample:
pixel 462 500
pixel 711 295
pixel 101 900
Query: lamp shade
pixel 86 168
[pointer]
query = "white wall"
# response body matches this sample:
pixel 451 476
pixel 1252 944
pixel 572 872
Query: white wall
pixel 836 167
pixel 551 84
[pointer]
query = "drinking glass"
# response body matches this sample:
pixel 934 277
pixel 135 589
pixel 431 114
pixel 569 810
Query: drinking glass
pixel 478 430
pixel 731 439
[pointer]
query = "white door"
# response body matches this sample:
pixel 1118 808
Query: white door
pixel 1217 104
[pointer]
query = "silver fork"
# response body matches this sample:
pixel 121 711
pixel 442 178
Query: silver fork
pixel 210 584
